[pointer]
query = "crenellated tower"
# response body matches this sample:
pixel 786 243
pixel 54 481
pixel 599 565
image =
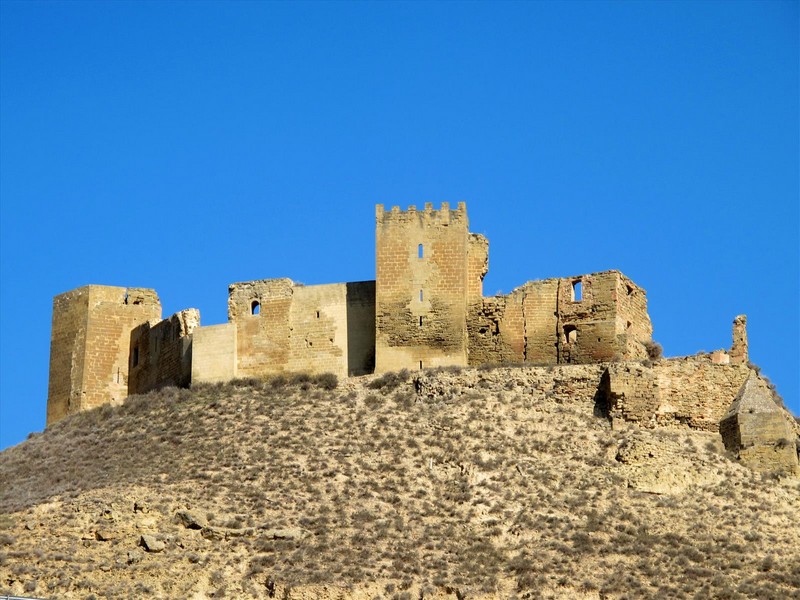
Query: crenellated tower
pixel 429 267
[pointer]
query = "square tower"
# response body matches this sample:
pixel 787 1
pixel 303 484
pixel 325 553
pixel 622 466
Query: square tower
pixel 90 345
pixel 424 282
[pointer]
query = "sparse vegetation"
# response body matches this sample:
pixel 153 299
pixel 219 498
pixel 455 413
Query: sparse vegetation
pixel 653 349
pixel 507 485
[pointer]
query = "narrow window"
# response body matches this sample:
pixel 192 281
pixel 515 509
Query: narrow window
pixel 570 334
pixel 577 292
pixel 318 314
pixel 420 295
pixel 135 361
pixel 420 364
pixel 255 308
pixel 420 321
pixel 420 252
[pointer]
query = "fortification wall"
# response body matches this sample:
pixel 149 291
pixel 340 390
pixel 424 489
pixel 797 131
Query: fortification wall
pixel 422 268
pixel 214 353
pixel 90 345
pixel 161 352
pixel 547 322
pixel 693 391
pixel 285 327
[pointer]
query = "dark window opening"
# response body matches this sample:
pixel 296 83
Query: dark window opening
pixel 577 291
pixel 570 334
pixel 630 289
pixel 318 314
pixel 135 360
pixel 420 321
pixel 255 308
pixel 420 251
pixel 420 364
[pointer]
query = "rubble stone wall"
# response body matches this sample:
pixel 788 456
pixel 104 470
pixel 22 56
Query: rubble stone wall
pixel 693 391
pixel 161 352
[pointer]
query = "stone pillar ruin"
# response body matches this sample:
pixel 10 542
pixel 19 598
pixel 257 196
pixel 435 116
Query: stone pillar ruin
pixel 738 353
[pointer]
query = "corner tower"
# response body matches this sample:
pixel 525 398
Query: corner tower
pixel 90 344
pixel 427 273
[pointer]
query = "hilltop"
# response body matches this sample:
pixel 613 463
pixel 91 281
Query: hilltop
pixel 457 483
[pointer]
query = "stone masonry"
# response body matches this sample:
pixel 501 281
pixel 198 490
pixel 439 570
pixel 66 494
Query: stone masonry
pixel 90 345
pixel 425 309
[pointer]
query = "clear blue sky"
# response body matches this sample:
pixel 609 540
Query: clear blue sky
pixel 187 145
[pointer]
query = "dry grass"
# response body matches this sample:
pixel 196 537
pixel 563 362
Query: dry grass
pixel 478 488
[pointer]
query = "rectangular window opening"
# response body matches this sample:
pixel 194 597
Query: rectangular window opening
pixel 420 251
pixel 420 295
pixel 420 364
pixel 420 321
pixel 577 292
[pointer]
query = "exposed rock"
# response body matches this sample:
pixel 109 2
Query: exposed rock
pixel 191 519
pixel 104 535
pixel 152 544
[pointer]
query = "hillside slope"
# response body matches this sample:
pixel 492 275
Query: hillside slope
pixel 494 483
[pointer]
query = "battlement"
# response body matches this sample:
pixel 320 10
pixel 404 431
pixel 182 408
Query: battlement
pixel 427 216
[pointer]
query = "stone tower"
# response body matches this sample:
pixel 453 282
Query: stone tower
pixel 90 347
pixel 429 269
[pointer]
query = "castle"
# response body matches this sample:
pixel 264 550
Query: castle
pixel 424 309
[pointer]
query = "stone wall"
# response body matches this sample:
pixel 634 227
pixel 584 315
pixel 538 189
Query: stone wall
pixel 545 322
pixel 161 352
pixel 693 391
pixel 423 262
pixel 214 353
pixel 90 344
pixel 286 327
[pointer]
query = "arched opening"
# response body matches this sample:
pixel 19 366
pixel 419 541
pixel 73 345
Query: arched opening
pixel 570 334
pixel 420 251
pixel 255 308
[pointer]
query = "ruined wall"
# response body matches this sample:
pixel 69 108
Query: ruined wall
pixel 540 321
pixel 422 289
pixel 286 327
pixel 739 352
pixel 693 391
pixel 161 352
pixel 633 326
pixel 90 344
pixel 584 319
pixel 602 317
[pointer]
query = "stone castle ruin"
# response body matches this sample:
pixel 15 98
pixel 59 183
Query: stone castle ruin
pixel 425 309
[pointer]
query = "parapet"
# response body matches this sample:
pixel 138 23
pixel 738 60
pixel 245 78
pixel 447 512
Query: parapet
pixel 443 216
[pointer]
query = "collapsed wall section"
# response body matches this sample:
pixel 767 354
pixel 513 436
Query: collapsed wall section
pixel 161 352
pixel 90 345
pixel 428 269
